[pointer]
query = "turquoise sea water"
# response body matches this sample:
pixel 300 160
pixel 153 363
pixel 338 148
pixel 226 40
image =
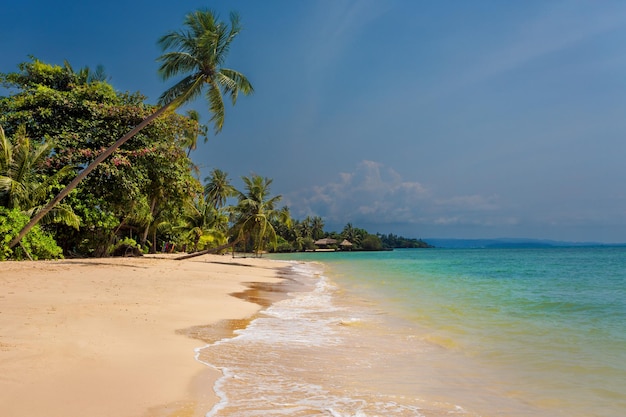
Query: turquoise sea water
pixel 477 332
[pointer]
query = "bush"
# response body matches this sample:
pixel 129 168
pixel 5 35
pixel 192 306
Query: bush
pixel 371 242
pixel 308 244
pixel 281 246
pixel 39 244
pixel 126 247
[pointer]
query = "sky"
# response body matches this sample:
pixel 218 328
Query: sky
pixel 447 119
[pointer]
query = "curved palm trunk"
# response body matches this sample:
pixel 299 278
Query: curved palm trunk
pixel 35 219
pixel 207 251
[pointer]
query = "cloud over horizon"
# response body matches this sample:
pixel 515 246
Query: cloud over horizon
pixel 374 194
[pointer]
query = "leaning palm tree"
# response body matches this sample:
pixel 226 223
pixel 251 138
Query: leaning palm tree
pixel 198 52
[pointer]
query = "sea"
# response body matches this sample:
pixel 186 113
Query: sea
pixel 434 332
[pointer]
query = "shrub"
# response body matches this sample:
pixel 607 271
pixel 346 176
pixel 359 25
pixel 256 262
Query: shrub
pixel 281 245
pixel 39 244
pixel 371 242
pixel 126 247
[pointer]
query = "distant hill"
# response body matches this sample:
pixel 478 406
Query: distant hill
pixel 511 243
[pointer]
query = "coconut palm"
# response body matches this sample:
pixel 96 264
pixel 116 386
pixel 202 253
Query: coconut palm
pixel 351 234
pixel 190 140
pixel 306 228
pixel 22 186
pixel 218 188
pixel 255 212
pixel 201 219
pixel 85 75
pixel 317 227
pixel 198 52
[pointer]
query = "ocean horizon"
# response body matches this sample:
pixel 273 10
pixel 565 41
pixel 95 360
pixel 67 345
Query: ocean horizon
pixel 514 332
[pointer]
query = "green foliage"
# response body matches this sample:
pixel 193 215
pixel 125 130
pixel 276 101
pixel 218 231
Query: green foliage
pixel 98 225
pixel 138 188
pixel 218 189
pixel 200 49
pixel 256 211
pixel 371 242
pixel 202 225
pixel 353 235
pixel 23 185
pixel 145 185
pixel 282 245
pixel 394 241
pixel 126 247
pixel 39 244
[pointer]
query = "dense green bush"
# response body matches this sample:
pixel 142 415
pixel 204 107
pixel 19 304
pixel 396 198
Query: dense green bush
pixel 126 247
pixel 371 242
pixel 282 245
pixel 39 244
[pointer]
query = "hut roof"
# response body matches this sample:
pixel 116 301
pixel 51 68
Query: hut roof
pixel 345 243
pixel 326 241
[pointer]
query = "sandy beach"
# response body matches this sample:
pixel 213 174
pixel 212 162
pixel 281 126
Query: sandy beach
pixel 115 337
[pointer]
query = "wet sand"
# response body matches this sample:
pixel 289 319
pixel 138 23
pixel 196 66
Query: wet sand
pixel 116 336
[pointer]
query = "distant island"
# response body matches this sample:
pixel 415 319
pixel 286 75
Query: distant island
pixel 512 243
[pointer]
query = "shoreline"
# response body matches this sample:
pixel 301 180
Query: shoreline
pixel 117 336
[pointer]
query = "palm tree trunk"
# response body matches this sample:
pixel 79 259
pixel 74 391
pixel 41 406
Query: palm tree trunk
pixel 35 219
pixel 154 241
pixel 144 238
pixel 207 251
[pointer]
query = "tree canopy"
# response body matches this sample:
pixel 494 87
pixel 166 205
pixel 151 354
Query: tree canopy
pixel 198 52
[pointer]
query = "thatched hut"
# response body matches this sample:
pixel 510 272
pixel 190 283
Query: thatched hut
pixel 325 243
pixel 346 245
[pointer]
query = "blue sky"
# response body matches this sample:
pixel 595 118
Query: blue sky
pixel 468 119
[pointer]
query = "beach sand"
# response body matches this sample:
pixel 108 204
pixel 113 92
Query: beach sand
pixel 115 337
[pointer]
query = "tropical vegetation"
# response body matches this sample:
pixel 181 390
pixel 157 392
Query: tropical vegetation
pixel 197 52
pixel 56 131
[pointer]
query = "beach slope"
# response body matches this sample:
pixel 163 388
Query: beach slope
pixel 107 337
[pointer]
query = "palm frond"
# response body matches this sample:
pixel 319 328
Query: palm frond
pixel 39 191
pixel 178 62
pixel 238 83
pixel 227 35
pixel 6 151
pixel 186 89
pixel 61 213
pixel 216 105
pixel 200 49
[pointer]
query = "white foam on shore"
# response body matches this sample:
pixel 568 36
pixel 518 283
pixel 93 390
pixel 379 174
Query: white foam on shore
pixel 296 360
pixel 304 302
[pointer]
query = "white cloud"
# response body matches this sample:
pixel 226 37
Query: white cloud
pixel 376 194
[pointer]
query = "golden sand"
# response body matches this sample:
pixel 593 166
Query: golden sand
pixel 115 337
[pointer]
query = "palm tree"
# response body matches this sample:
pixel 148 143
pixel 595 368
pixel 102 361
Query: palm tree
pixel 218 188
pixel 255 212
pixel 201 219
pixel 306 228
pixel 86 75
pixel 351 234
pixel 317 227
pixel 197 51
pixel 190 141
pixel 22 186
pixel 200 52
